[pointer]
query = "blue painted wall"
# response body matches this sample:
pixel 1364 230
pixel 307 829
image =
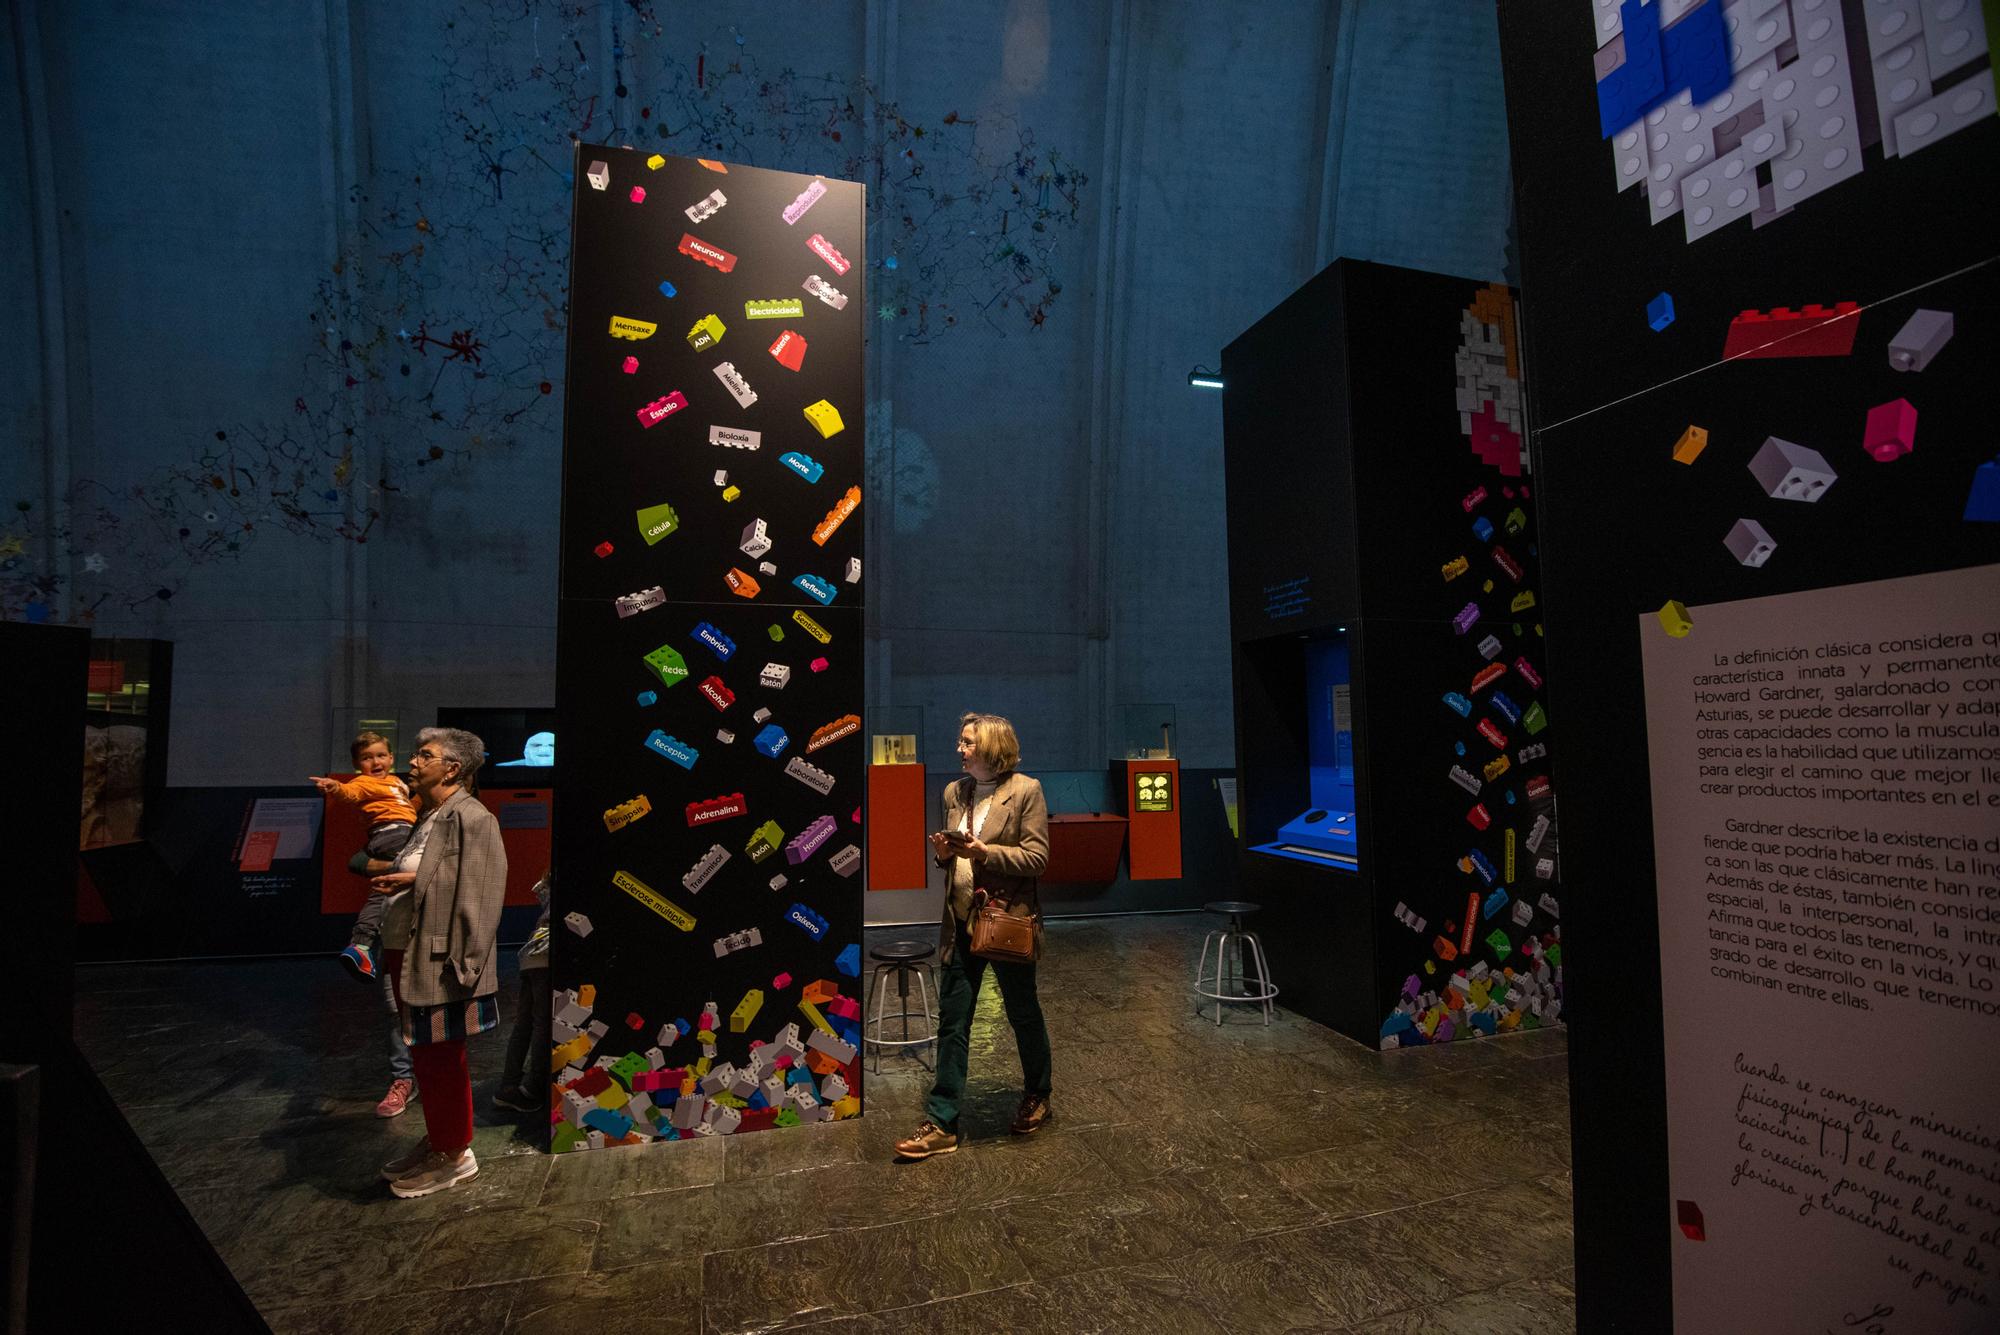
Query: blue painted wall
pixel 233 211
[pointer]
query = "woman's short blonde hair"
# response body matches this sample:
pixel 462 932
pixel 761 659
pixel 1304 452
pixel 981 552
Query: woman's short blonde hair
pixel 993 741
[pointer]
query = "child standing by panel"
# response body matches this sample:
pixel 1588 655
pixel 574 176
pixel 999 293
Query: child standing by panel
pixel 524 1084
pixel 391 817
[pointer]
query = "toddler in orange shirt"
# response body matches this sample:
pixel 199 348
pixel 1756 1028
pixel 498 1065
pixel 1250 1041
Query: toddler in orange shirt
pixel 391 817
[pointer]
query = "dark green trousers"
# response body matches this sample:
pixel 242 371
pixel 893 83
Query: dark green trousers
pixel 958 994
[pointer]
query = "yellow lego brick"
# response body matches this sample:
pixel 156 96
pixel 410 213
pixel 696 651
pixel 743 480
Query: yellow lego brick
pixel 1507 857
pixel 613 1096
pixel 625 327
pixel 731 492
pixel 811 1012
pixel 1510 1020
pixel 1523 600
pixel 825 419
pixel 573 1051
pixel 700 1068
pixel 655 162
pixel 1453 568
pixel 1675 619
pixel 746 1010
pixel 847 1107
pixel 1692 442
pixel 688 1083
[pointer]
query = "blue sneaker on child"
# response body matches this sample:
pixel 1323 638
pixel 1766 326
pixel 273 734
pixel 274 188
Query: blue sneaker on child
pixel 359 963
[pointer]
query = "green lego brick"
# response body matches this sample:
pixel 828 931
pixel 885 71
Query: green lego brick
pixel 668 665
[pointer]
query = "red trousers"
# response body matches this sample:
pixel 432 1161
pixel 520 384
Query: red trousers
pixel 444 1078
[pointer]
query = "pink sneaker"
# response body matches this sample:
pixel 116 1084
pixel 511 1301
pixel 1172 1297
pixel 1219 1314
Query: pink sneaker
pixel 397 1099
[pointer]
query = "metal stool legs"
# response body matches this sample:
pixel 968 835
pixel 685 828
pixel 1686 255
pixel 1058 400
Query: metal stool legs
pixel 1227 984
pixel 879 1011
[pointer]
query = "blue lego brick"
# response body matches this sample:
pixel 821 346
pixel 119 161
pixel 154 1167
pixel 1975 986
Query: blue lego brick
pixel 1982 503
pixel 806 921
pixel 1693 54
pixel 714 640
pixel 1494 903
pixel 614 1125
pixel 668 290
pixel 772 741
pixel 1459 704
pixel 1397 1023
pixel 1503 705
pixel 1660 312
pixel 798 1075
pixel 848 961
pixel 1483 528
pixel 673 748
pixel 814 588
pixel 648 699
pixel 1483 1022
pixel 1483 865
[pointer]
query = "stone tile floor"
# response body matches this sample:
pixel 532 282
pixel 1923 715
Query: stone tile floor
pixel 1235 1179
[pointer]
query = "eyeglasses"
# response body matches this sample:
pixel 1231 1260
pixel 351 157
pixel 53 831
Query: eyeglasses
pixel 427 755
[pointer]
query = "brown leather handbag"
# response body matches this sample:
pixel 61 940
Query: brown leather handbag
pixel 999 936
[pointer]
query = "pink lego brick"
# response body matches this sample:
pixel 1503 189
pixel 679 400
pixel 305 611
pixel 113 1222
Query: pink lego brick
pixel 1891 431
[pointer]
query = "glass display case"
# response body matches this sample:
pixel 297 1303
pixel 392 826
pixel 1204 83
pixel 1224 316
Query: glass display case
pixel 896 735
pixel 1145 732
pixel 1324 831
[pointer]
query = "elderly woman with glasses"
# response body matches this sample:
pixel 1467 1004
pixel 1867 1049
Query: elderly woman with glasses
pixel 449 883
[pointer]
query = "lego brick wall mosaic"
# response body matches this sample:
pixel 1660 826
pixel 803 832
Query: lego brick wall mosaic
pixel 707 906
pixel 1756 285
pixel 1483 948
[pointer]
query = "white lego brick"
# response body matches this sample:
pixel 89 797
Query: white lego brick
pixel 1954 35
pixel 1902 81
pixel 1963 104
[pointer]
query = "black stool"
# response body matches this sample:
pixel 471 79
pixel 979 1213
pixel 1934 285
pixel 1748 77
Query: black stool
pixel 904 960
pixel 1220 987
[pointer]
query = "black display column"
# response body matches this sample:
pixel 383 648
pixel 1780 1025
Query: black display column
pixel 1392 727
pixel 707 913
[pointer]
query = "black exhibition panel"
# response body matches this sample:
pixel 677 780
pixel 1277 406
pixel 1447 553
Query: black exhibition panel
pixel 1396 818
pixel 1627 528
pixel 709 658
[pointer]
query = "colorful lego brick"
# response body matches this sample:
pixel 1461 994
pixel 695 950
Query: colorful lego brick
pixel 848 961
pixel 825 291
pixel 672 748
pixel 764 841
pixel 707 811
pixel 1467 617
pixel 1533 720
pixel 634 330
pixel 775 308
pixel 847 725
pixel 706 207
pixel 1491 732
pixel 1458 704
pixel 741 583
pixel 602 550
pixel 733 381
pixel 804 465
pixel 667 664
pixel 807 841
pixel 656 522
pixel 1674 619
pixel 706 332
pixel 772 741
pixel 1503 705
pixel 814 587
pixel 1890 431
pixel 825 419
pixel 660 409
pixel 820 991
pixel 789 350
pixel 1982 500
pixel 1497 941
pixel 1920 339
pixel 845 506
pixel 1482 528
pixel 1660 310
pixel 1495 767
pixel 713 256
pixel 823 248
pixel 1749 543
pixel 1494 902
pixel 714 640
pixel 1692 442
pixel 1453 568
pixel 704 869
pixel 811 627
pixel 1812 332
pixel 806 921
pixel 1687 1215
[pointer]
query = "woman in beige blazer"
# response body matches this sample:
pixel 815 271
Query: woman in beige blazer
pixel 450 881
pixel 995 843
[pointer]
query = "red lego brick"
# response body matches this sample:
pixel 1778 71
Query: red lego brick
pixel 1812 332
pixel 1688 1215
pixel 1891 431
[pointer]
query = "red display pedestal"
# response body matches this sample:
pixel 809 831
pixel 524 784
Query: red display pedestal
pixel 896 830
pixel 525 816
pixel 1084 849
pixel 1153 804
